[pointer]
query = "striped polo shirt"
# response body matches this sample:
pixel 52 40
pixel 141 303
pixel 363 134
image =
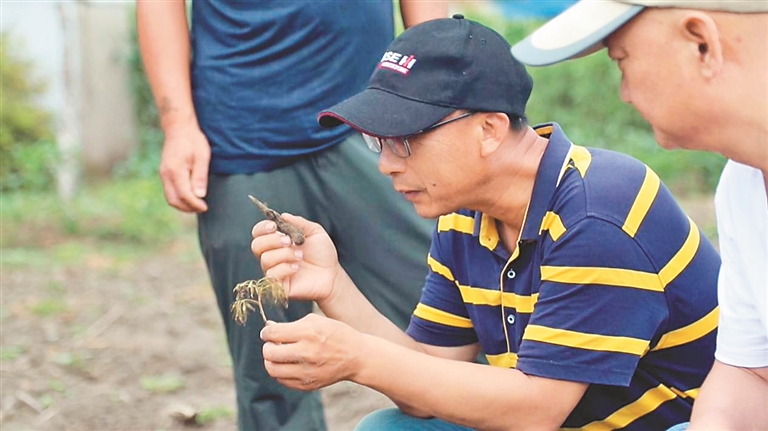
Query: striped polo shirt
pixel 610 284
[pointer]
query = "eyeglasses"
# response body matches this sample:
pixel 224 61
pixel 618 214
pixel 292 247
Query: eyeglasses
pixel 400 146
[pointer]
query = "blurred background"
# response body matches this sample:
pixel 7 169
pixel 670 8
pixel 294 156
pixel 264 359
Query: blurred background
pixel 107 319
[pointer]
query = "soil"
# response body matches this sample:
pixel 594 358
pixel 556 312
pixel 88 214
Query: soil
pixel 114 342
pixel 130 340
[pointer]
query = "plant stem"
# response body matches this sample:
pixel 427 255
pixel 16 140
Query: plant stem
pixel 261 310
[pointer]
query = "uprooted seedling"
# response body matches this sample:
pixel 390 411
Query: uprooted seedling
pixel 253 294
pixel 297 236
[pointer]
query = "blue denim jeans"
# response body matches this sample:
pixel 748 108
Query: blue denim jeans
pixel 396 420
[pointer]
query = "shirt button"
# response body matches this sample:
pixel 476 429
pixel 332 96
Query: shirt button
pixel 511 273
pixel 511 319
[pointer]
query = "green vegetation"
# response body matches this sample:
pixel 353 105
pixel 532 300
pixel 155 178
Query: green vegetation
pixel 79 361
pixel 8 353
pixel 165 383
pixel 212 414
pixel 57 385
pixel 129 210
pixel 27 151
pixel 48 307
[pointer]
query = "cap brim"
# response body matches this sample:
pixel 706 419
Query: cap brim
pixel 380 113
pixel 577 31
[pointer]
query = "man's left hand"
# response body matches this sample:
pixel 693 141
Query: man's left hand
pixel 311 353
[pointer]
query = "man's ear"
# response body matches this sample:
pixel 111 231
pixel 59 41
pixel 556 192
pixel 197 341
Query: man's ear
pixel 701 29
pixel 495 127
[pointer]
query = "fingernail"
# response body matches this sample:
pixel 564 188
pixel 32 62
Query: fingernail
pixel 286 240
pixel 299 254
pixel 200 192
pixel 294 266
pixel 271 227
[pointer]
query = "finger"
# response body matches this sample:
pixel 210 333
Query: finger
pixel 283 353
pixel 169 189
pixel 271 260
pixel 263 227
pixel 199 175
pixel 305 329
pixel 308 227
pixel 265 243
pixel 293 375
pixel 285 333
pixel 184 189
pixel 281 273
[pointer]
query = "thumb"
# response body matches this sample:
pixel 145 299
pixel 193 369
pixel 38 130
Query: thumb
pixel 279 333
pixel 305 225
pixel 200 175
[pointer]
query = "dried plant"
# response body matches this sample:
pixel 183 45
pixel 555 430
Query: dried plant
pixel 253 294
pixel 296 234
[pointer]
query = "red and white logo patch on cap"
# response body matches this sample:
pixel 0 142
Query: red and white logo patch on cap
pixel 400 63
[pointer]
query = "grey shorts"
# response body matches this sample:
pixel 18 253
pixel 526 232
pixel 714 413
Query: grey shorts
pixel 381 241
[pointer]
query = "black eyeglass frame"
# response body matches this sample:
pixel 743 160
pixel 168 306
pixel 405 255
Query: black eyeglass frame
pixel 374 143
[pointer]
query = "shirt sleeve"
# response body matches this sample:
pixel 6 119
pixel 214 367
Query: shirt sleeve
pixel 600 305
pixel 441 318
pixel 742 224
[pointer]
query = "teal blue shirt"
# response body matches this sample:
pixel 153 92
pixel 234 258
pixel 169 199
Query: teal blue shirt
pixel 262 70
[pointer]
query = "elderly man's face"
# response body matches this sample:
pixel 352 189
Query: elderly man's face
pixel 657 74
pixel 437 176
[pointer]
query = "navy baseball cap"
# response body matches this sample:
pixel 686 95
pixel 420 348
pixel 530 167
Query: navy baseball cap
pixel 431 70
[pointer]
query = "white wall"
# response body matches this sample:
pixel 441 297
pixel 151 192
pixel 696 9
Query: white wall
pixel 37 27
pixel 103 131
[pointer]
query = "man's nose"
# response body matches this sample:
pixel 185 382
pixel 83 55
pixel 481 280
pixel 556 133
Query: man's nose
pixel 389 163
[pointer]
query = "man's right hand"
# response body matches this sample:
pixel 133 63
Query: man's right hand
pixel 308 271
pixel 184 167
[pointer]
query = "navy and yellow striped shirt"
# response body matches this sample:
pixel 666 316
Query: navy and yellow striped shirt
pixel 611 284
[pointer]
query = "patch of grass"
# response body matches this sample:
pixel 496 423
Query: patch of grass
pixel 9 353
pixel 15 257
pixel 69 252
pixel 48 307
pixel 57 385
pixel 46 400
pixel 72 252
pixel 74 360
pixel 165 383
pixel 212 414
pixel 131 210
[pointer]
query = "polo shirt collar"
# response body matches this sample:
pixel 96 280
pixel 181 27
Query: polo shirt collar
pixel 553 164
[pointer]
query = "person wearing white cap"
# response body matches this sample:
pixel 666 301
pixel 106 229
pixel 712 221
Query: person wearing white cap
pixel 698 72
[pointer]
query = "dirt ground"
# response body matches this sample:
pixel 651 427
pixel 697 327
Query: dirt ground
pixel 96 337
pixel 119 340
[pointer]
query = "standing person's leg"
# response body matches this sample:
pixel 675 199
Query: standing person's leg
pixel 225 235
pixel 382 242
